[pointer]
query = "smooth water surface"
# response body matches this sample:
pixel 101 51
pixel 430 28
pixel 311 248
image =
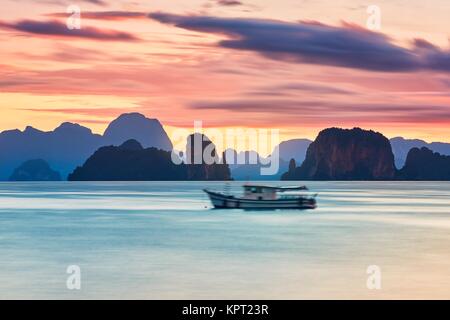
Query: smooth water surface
pixel 162 240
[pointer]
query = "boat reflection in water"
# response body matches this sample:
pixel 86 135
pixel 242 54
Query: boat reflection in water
pixel 264 197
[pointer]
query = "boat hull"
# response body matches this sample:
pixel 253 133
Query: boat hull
pixel 221 201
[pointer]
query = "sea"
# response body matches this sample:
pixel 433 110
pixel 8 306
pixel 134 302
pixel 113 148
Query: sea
pixel 163 240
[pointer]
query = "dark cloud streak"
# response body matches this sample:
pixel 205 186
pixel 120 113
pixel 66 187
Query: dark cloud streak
pixel 58 29
pixel 229 3
pixel 347 46
pixel 317 109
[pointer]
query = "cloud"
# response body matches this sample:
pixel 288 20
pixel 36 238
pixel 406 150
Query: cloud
pixel 431 56
pixel 314 110
pixel 295 87
pixel 348 46
pixel 229 3
pixel 58 29
pixel 104 15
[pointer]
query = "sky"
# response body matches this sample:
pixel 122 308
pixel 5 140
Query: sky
pixel 295 65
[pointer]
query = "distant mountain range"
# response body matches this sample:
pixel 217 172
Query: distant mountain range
pixel 401 147
pixel 252 172
pixel 293 149
pixel 149 132
pixel 248 166
pixel 287 150
pixel 69 145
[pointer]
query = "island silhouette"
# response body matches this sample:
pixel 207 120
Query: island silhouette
pixel 134 147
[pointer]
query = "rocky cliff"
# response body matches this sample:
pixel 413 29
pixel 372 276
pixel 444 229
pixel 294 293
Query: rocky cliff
pixel 203 163
pixel 131 162
pixel 343 154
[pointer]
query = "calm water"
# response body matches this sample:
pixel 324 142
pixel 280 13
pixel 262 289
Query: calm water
pixel 162 240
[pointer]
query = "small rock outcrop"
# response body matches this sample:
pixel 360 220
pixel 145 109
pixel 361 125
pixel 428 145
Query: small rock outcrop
pixel 35 170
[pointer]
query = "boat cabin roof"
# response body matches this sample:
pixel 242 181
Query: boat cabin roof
pixel 260 188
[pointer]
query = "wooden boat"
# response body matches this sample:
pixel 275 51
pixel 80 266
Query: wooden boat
pixel 263 197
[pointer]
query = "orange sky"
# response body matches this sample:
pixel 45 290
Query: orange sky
pixel 180 73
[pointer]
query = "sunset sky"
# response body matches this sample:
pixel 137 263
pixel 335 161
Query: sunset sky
pixel 295 65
